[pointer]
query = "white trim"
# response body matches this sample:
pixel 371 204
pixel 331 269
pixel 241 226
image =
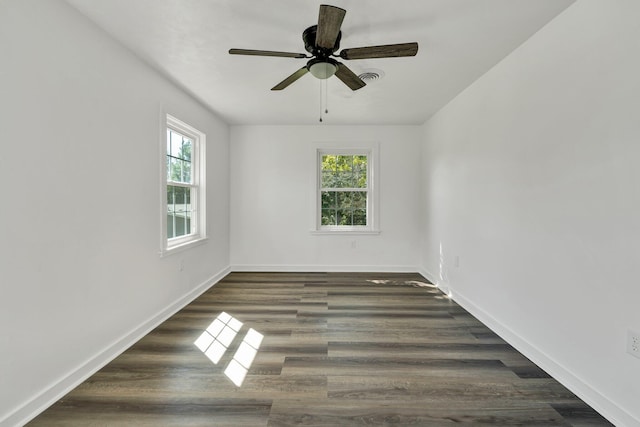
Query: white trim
pixel 342 232
pixel 50 395
pixel 440 284
pixel 297 268
pixel 563 375
pixel 372 150
pixel 183 246
pixel 199 203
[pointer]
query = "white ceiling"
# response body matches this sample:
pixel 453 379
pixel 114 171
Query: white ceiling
pixel 188 41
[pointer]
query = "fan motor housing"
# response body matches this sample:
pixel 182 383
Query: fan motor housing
pixel 309 38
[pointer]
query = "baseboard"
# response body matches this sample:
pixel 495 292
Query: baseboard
pixel 428 275
pixel 589 394
pixel 440 284
pixel 325 268
pixel 46 398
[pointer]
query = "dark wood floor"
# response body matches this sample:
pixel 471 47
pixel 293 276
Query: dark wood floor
pixel 338 349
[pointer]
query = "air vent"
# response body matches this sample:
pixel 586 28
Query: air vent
pixel 371 75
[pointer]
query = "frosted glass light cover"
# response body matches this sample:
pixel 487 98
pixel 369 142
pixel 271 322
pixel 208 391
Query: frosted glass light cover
pixel 323 70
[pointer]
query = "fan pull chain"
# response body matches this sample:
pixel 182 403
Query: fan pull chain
pixel 326 96
pixel 320 101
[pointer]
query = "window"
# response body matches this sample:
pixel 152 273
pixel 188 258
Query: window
pixel 345 197
pixel 183 185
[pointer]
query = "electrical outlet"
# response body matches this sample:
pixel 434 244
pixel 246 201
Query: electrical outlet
pixel 633 343
pixel 181 265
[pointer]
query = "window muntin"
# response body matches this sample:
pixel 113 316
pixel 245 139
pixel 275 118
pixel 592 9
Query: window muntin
pixel 183 210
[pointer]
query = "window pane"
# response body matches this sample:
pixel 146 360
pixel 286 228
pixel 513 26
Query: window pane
pixel 359 163
pixel 176 145
pixel 344 175
pixel 170 198
pixel 178 211
pixel 344 163
pixel 345 217
pixel 181 226
pixel 360 171
pixel 328 163
pixel 360 217
pixel 170 229
pixel 168 154
pixel 359 199
pixel 341 171
pixel 176 170
pixel 328 179
pixel 171 220
pixel 343 179
pixel 328 199
pixel 344 200
pixel 179 151
pixel 360 179
pixel 187 221
pixel 178 197
pixel 328 217
pixel 185 151
pixel 186 171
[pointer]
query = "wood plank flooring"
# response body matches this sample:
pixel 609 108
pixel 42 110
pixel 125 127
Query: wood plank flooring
pixel 339 349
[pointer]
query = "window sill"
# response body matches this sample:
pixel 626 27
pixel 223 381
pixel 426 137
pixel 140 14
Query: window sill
pixel 183 246
pixel 344 232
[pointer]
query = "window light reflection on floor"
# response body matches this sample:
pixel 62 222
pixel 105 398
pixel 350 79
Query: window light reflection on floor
pixel 237 369
pixel 215 340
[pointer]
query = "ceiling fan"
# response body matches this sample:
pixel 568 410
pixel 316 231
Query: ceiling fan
pixel 321 41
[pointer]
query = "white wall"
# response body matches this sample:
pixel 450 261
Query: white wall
pixel 81 277
pixel 532 180
pixel 528 176
pixel 272 194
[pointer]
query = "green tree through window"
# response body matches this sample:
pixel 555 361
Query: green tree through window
pixel 344 189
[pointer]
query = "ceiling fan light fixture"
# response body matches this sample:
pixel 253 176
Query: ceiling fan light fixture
pixel 322 69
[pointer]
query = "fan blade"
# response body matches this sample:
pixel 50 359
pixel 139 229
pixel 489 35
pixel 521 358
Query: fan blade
pixel 386 51
pixel 292 78
pixel 266 53
pixel 329 23
pixel 349 78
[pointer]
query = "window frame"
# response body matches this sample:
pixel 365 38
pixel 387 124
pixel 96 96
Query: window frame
pixel 368 149
pixel 197 186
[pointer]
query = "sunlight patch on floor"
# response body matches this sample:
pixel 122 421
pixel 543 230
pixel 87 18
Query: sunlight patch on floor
pixel 217 338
